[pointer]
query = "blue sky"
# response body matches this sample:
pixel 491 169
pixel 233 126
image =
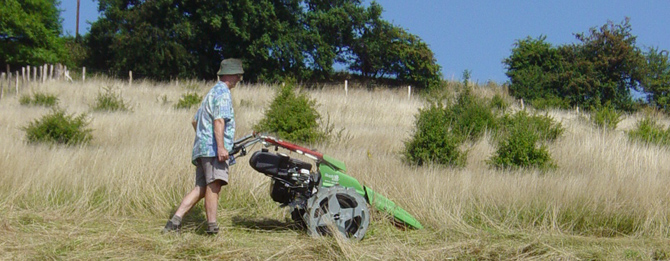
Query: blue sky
pixel 478 35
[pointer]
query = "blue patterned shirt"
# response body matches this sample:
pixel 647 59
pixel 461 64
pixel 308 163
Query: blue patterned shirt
pixel 217 104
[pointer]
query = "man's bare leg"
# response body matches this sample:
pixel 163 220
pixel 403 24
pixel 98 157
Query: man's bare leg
pixel 211 204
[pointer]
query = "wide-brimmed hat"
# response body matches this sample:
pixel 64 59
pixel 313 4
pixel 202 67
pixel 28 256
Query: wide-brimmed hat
pixel 230 66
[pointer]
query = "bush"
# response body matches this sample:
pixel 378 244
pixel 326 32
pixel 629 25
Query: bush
pixel 649 131
pixel 544 126
pixel 39 99
pixel 606 117
pixel 520 150
pixel 188 100
pixel 549 103
pixel 521 135
pixel 433 141
pixel 109 101
pixel 292 117
pixel 59 128
pixel 498 102
pixel 471 116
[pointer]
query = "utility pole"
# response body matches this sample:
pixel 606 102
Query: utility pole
pixel 77 30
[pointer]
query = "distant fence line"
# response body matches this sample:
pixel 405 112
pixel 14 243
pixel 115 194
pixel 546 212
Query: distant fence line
pixel 58 72
pixel 19 78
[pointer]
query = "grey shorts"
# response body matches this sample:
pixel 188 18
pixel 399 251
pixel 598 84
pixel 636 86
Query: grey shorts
pixel 209 169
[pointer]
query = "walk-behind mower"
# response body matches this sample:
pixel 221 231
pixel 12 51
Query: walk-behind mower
pixel 321 198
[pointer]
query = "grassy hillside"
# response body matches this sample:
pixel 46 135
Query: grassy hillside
pixel 608 199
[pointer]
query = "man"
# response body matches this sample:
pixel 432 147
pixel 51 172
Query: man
pixel 214 126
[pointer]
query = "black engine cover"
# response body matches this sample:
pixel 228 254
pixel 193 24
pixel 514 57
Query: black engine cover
pixel 275 164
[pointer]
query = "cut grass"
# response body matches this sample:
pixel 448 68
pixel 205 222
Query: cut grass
pixel 109 199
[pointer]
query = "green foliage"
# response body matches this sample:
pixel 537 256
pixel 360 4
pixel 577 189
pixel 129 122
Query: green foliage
pixel 188 100
pixel 498 102
pixel 109 100
pixel 162 39
pixel 521 147
pixel 602 68
pixel 545 103
pixel 39 99
pixel 30 30
pixel 292 117
pixel 59 128
pixel 606 117
pixel 471 115
pixel 544 126
pixel 657 81
pixel 649 131
pixel 433 140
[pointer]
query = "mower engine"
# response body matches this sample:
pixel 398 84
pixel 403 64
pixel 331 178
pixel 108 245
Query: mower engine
pixel 292 179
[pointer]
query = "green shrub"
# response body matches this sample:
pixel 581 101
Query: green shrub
pixel 519 149
pixel 471 116
pixel 109 101
pixel 59 128
pixel 550 103
pixel 498 102
pixel 292 117
pixel 39 99
pixel 433 141
pixel 188 100
pixel 606 117
pixel 649 131
pixel 543 125
pixel 520 144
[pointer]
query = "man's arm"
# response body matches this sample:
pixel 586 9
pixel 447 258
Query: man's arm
pixel 219 127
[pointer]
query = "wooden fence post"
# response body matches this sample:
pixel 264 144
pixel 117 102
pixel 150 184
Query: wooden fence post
pixel 51 72
pixel 409 92
pixel 346 88
pixel 130 81
pixel 23 73
pixel 34 73
pixel 83 74
pixel 17 82
pixel 2 85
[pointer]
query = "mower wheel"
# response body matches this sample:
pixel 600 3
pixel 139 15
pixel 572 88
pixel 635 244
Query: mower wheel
pixel 339 208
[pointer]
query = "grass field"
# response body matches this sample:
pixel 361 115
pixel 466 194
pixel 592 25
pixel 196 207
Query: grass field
pixel 608 199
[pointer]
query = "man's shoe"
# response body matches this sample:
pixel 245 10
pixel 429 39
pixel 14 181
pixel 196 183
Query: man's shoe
pixel 212 230
pixel 170 227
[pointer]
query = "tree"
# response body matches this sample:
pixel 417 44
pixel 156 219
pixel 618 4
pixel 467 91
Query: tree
pixel 657 81
pixel 530 68
pixel 383 50
pixel 602 68
pixel 277 39
pixel 29 31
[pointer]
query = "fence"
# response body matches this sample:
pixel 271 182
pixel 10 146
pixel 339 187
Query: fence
pixel 14 80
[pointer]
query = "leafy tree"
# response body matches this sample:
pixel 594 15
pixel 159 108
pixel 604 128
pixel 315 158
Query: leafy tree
pixel 384 50
pixel 657 81
pixel 531 69
pixel 29 31
pixel 602 68
pixel 300 39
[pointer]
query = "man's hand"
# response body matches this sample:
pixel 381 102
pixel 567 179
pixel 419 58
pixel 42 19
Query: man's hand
pixel 222 154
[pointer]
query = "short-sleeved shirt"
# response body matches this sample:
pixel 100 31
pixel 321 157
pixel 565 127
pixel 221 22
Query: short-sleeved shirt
pixel 217 104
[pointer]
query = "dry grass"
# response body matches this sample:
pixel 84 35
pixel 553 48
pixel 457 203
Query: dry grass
pixel 109 199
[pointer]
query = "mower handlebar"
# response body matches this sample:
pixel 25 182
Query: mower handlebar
pixel 240 145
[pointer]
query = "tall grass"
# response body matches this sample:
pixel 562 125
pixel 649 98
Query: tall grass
pixel 110 198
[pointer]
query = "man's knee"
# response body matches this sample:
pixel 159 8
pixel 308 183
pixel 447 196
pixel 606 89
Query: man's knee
pixel 215 186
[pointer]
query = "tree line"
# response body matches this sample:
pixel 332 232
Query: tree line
pixel 602 69
pixel 305 40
